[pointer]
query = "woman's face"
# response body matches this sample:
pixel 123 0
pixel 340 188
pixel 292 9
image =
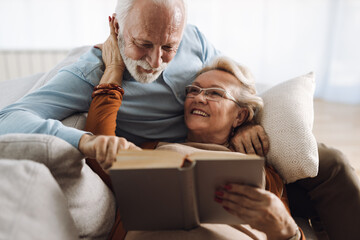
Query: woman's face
pixel 212 118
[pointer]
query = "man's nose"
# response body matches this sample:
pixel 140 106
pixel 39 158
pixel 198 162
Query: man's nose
pixel 155 57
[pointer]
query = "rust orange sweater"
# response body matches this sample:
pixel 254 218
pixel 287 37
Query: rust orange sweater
pixel 101 120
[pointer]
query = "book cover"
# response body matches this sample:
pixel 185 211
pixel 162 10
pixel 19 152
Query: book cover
pixel 165 190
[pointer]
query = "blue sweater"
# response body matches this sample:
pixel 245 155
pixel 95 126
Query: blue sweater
pixel 149 112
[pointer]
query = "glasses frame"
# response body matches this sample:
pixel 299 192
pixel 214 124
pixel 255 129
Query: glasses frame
pixel 226 95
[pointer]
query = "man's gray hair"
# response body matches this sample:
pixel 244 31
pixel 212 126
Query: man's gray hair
pixel 123 8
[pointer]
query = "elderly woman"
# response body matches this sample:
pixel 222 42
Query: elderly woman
pixel 221 98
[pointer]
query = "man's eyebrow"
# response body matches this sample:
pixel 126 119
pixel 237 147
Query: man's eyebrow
pixel 174 43
pixel 141 40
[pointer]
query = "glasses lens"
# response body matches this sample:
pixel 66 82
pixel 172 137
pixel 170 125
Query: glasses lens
pixel 214 94
pixel 193 90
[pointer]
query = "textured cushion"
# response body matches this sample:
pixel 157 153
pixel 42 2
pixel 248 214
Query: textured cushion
pixel 90 202
pixel 288 118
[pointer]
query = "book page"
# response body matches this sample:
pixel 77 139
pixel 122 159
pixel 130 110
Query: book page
pixel 131 159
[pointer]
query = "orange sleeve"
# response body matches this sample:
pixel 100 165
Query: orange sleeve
pixel 101 120
pixel 102 114
pixel 275 184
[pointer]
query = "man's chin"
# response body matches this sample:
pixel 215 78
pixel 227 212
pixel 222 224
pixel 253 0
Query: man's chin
pixel 146 78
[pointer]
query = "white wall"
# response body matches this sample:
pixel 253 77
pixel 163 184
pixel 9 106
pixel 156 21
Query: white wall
pixel 277 39
pixel 53 24
pixel 281 39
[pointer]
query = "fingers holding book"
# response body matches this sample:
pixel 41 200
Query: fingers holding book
pixel 104 148
pixel 259 208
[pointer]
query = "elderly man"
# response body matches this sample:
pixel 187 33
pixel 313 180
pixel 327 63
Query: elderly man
pixel 159 49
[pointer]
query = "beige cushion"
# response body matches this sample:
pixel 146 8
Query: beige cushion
pixel 89 200
pixel 287 118
pixel 32 205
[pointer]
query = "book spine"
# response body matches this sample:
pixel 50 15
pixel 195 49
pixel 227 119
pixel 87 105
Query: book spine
pixel 189 201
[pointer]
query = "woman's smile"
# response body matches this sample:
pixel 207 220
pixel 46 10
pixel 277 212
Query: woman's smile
pixel 199 112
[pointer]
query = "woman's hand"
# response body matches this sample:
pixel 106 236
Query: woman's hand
pixel 250 139
pixel 259 208
pixel 114 64
pixel 104 148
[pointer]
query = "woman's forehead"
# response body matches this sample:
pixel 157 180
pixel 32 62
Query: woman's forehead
pixel 216 78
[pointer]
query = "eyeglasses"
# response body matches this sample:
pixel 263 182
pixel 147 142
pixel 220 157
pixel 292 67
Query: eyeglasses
pixel 212 94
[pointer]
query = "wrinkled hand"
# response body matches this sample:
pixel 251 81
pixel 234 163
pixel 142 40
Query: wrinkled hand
pixel 104 148
pixel 259 208
pixel 250 139
pixel 111 55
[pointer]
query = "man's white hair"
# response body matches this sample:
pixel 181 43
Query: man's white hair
pixel 123 8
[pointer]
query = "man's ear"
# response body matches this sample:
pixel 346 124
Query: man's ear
pixel 116 24
pixel 242 116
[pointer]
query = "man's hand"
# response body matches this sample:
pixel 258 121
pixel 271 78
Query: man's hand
pixel 250 139
pixel 104 148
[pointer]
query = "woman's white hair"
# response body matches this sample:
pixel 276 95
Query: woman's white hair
pixel 123 8
pixel 245 94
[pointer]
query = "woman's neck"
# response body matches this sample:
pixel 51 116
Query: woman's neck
pixel 207 138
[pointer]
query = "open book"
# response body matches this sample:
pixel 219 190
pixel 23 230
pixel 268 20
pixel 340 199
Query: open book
pixel 163 190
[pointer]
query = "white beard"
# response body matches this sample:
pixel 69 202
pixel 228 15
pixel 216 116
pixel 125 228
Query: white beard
pixel 131 66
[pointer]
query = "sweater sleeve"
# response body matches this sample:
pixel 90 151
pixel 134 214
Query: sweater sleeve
pixel 102 114
pixel 275 184
pixel 101 120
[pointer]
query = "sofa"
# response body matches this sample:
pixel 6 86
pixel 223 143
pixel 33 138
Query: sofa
pixel 48 191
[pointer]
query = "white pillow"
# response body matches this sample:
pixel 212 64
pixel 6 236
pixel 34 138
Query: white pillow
pixel 287 118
